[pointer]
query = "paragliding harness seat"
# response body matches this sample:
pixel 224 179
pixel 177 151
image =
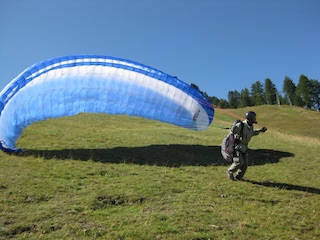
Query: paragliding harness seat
pixel 230 142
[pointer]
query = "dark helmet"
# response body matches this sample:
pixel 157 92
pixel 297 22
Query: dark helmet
pixel 251 117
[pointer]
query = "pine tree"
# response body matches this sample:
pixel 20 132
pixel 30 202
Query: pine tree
pixel 245 98
pixel 223 103
pixel 214 100
pixel 234 99
pixel 257 94
pixel 303 90
pixel 315 93
pixel 270 92
pixel 289 89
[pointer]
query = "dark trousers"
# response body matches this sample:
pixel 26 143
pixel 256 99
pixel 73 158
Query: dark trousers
pixel 239 164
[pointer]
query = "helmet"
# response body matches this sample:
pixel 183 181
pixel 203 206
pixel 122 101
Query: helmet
pixel 251 117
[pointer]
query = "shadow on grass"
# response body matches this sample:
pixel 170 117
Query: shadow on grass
pixel 172 155
pixel 286 186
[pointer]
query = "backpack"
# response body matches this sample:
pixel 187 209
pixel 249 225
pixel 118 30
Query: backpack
pixel 229 142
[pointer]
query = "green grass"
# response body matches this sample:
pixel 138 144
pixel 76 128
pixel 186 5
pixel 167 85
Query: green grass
pixel 118 177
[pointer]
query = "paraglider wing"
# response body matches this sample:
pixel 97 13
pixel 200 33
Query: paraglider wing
pixel 66 86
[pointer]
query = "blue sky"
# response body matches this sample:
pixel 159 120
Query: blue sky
pixel 218 45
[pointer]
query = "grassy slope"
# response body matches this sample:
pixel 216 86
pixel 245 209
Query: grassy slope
pixel 115 177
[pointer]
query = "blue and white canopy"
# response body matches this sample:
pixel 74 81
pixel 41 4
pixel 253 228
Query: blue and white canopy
pixel 66 86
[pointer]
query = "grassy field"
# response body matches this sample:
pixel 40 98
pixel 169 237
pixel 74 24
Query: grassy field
pixel 119 177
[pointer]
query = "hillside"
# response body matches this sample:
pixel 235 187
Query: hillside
pixel 285 119
pixel 118 177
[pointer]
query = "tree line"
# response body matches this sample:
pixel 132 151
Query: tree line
pixel 305 94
